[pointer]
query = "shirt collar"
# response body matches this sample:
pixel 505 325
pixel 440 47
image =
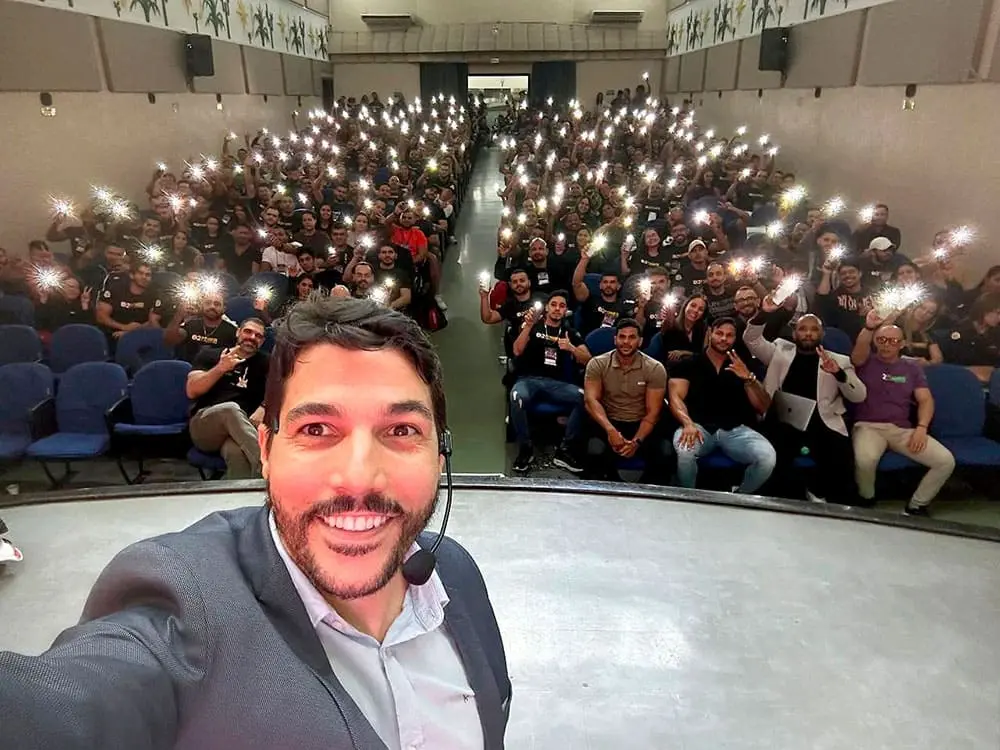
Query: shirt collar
pixel 428 601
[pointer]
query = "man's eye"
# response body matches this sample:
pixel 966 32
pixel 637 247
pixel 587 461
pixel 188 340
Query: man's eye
pixel 314 429
pixel 403 430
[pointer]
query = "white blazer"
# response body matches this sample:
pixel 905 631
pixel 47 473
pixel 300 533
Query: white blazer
pixel 830 393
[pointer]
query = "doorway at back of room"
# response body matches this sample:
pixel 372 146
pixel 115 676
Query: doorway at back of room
pixel 499 90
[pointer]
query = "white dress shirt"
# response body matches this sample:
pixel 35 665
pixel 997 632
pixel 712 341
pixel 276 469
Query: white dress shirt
pixel 411 687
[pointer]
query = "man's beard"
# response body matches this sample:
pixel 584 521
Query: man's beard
pixel 294 532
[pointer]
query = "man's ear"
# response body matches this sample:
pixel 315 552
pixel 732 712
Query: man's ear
pixel 264 441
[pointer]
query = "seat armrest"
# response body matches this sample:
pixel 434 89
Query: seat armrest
pixel 120 412
pixel 42 419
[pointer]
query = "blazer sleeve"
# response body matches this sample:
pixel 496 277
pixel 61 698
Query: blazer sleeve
pixel 853 389
pixel 113 680
pixel 759 347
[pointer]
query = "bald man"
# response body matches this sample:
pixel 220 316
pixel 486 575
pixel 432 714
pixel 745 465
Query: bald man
pixel 883 420
pixel 807 386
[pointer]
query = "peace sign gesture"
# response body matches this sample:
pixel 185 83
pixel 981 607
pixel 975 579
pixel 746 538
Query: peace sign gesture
pixel 826 362
pixel 738 367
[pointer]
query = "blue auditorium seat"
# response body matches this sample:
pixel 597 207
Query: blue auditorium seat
pixel 23 386
pixel 17 310
pixel 593 282
pixel 209 465
pixel 837 341
pixel 239 309
pixel 73 426
pixel 960 416
pixel 74 344
pixel 19 343
pixel 136 349
pixel 154 415
pixel 600 340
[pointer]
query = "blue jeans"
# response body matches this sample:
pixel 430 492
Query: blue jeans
pixel 741 444
pixel 533 390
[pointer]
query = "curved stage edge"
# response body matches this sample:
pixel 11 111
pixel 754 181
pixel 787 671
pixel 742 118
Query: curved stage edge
pixel 644 617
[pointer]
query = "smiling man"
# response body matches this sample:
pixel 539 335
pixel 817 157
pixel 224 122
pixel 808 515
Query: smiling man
pixel 294 624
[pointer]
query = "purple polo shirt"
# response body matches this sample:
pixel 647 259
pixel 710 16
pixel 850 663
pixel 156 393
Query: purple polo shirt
pixel 890 391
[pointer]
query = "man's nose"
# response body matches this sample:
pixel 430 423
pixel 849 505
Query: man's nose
pixel 357 471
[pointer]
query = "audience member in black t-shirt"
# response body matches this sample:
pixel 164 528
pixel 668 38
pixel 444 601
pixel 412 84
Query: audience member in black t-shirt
pixel 548 355
pixel 242 258
pixel 719 293
pixel 192 333
pixel 519 300
pixel 682 332
pixel 652 254
pixel 718 401
pixel 129 304
pixel 691 276
pixel 68 304
pixel 311 237
pixel 846 306
pixel 975 343
pixel 878 227
pixel 600 310
pixel 228 386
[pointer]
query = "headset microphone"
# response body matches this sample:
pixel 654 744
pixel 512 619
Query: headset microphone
pixel 418 569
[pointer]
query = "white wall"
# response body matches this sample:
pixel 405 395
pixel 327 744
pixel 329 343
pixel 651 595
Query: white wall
pixel 345 15
pixel 593 76
pixel 113 140
pixel 355 79
pixel 934 166
pixel 500 81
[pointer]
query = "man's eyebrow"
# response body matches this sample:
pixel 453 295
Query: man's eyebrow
pixel 312 409
pixel 400 408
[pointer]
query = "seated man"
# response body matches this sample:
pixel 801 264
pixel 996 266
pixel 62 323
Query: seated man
pixel 227 386
pixel 129 304
pixel 807 386
pixel 717 405
pixel 193 333
pixel 605 309
pixel 883 421
pixel 514 308
pixel 623 392
pixel 547 353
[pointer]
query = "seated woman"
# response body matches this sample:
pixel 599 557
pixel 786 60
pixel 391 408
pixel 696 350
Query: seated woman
pixel 917 324
pixel 70 302
pixel 682 335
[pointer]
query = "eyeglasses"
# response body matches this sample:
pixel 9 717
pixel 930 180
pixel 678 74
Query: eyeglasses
pixel 887 340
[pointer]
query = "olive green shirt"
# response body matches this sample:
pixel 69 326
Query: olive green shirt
pixel 624 389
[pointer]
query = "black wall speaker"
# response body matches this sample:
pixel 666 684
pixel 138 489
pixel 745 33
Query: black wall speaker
pixel 774 49
pixel 198 55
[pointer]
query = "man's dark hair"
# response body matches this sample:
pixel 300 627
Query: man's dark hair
pixel 628 323
pixel 617 276
pixel 253 321
pixel 719 322
pixel 557 293
pixel 136 262
pixel 851 262
pixel 882 205
pixel 354 324
pixel 38 245
pixel 657 271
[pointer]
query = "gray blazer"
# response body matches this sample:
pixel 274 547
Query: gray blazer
pixel 198 639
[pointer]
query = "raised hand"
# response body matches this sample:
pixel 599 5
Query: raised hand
pixel 738 367
pixel 564 343
pixel 826 362
pixel 768 304
pixel 229 359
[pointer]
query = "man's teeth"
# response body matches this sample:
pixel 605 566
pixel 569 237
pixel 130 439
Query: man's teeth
pixel 355 523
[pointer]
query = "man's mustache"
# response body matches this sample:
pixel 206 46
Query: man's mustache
pixel 373 503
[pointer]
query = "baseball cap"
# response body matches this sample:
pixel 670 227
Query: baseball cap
pixel 696 243
pixel 881 243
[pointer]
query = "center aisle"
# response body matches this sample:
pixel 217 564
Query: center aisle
pixel 468 348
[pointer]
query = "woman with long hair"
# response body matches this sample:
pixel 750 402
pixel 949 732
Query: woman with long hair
pixel 917 324
pixel 683 334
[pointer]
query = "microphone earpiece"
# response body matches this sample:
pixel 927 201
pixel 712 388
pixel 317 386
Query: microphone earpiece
pixel 418 569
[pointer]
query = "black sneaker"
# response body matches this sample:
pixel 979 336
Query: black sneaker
pixel 565 460
pixel 525 457
pixel 916 510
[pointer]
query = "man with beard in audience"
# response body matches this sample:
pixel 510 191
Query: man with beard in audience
pixel 690 277
pixel 878 227
pixel 718 402
pixel 623 395
pixel 880 263
pixel 545 278
pixel 720 293
pixel 604 309
pixel 547 354
pixel 242 258
pixel 808 386
pixel 653 303
pixel 129 304
pixel 211 329
pixel 846 306
pixel 227 386
pixel 362 280
pixel 518 302
pixel 309 236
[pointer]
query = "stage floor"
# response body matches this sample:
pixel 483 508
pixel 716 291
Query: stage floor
pixel 632 622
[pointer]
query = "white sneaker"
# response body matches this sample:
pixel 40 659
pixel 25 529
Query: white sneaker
pixel 8 552
pixel 814 498
pixel 440 302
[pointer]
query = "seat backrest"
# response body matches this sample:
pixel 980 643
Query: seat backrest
pixel 837 341
pixel 994 392
pixel 959 403
pixel 17 309
pixel 19 343
pixel 140 347
pixel 86 392
pixel 23 385
pixel 77 343
pixel 593 282
pixel 239 309
pixel 158 393
pixel 600 340
pixel 277 283
pixel 655 348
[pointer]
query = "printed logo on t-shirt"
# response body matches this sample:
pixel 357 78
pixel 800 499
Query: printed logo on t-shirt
pixel 898 379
